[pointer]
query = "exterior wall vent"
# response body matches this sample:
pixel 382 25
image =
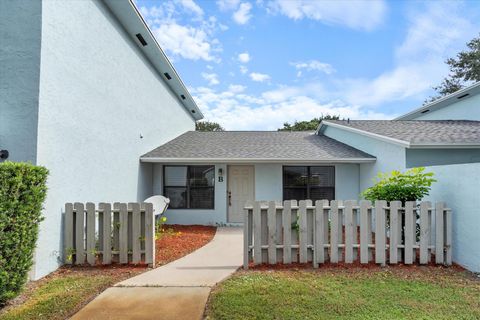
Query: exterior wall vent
pixel 193 111
pixel 425 111
pixel 463 95
pixel 167 76
pixel 183 97
pixel 141 39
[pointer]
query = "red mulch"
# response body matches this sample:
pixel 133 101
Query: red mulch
pixel 179 240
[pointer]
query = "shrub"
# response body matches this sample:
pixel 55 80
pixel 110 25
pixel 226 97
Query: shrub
pixel 22 192
pixel 411 185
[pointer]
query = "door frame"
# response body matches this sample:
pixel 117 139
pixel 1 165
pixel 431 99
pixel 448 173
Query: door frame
pixel 228 185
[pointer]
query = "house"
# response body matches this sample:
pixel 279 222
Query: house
pixel 84 91
pixel 87 92
pixel 208 176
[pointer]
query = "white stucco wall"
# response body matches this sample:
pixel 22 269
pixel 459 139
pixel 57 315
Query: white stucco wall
pixel 464 109
pixel 98 96
pixel 459 186
pixel 389 156
pixel 20 37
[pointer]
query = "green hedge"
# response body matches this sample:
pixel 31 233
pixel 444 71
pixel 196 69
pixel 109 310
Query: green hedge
pixel 22 192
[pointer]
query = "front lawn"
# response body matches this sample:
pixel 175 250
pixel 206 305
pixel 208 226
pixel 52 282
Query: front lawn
pixel 353 293
pixel 65 291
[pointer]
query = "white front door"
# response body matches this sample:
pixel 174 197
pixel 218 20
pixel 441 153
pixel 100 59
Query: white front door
pixel 240 190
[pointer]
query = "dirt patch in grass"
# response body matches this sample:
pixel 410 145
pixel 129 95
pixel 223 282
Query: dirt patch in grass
pixel 65 291
pixel 352 292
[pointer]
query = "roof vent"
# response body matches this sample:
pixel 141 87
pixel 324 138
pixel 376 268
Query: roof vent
pixel 169 77
pixel 425 111
pixel 141 39
pixel 183 97
pixel 193 111
pixel 463 95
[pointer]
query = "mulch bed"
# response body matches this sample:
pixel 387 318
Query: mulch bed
pixel 179 240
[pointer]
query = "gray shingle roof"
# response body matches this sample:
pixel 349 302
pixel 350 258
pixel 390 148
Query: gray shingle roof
pixel 256 145
pixel 418 132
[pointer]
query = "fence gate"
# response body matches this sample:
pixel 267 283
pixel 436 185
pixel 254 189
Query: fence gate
pixel 122 233
pixel 348 231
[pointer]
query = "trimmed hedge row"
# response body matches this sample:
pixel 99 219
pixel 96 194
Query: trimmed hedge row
pixel 22 193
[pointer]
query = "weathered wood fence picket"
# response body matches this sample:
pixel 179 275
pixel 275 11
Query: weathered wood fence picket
pixel 348 231
pixel 124 233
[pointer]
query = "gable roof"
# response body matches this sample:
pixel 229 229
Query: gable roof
pixel 255 146
pixel 132 21
pixel 442 102
pixel 415 133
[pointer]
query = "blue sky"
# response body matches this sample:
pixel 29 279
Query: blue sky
pixel 252 65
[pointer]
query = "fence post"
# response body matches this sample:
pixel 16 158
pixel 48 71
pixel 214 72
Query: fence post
pixel 303 231
pixel 395 230
pixel 287 231
pixel 106 209
pixel 68 249
pixel 410 232
pixel 334 227
pixel 448 236
pixel 136 241
pixel 257 233
pixel 79 233
pixel 272 232
pixel 149 234
pixel 380 231
pixel 439 247
pixel 365 230
pixel 246 235
pixel 350 233
pixel 91 250
pixel 425 207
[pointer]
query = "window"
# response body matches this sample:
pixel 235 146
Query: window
pixel 314 183
pixel 189 187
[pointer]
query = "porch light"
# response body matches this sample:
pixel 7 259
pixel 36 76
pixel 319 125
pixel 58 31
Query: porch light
pixel 220 172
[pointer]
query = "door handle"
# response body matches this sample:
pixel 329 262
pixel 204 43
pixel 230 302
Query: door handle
pixel 230 198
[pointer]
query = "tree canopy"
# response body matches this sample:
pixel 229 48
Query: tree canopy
pixel 309 125
pixel 208 126
pixel 464 70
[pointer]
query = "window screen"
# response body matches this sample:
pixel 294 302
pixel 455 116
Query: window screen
pixel 303 182
pixel 190 187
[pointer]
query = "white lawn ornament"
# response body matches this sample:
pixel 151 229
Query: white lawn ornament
pixel 160 204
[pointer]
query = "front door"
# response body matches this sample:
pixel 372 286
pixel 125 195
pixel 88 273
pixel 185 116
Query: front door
pixel 240 190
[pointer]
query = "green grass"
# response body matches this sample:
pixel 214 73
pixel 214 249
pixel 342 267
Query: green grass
pixel 58 297
pixel 430 293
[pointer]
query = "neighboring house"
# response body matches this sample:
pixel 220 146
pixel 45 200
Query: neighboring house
pixel 84 91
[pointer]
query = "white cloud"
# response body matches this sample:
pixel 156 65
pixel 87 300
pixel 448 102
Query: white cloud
pixel 236 88
pixel 314 65
pixel 243 69
pixel 190 5
pixel 184 41
pixel 212 78
pixel 365 14
pixel 194 41
pixel 225 5
pixel 244 57
pixel 259 77
pixel 435 32
pixel 238 111
pixel 242 15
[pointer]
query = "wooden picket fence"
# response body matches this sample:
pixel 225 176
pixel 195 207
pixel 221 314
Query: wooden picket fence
pixel 122 234
pixel 349 231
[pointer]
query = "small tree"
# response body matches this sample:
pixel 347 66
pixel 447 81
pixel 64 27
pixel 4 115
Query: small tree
pixel 411 185
pixel 310 125
pixel 208 126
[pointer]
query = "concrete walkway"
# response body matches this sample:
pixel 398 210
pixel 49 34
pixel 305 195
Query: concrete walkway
pixel 178 290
